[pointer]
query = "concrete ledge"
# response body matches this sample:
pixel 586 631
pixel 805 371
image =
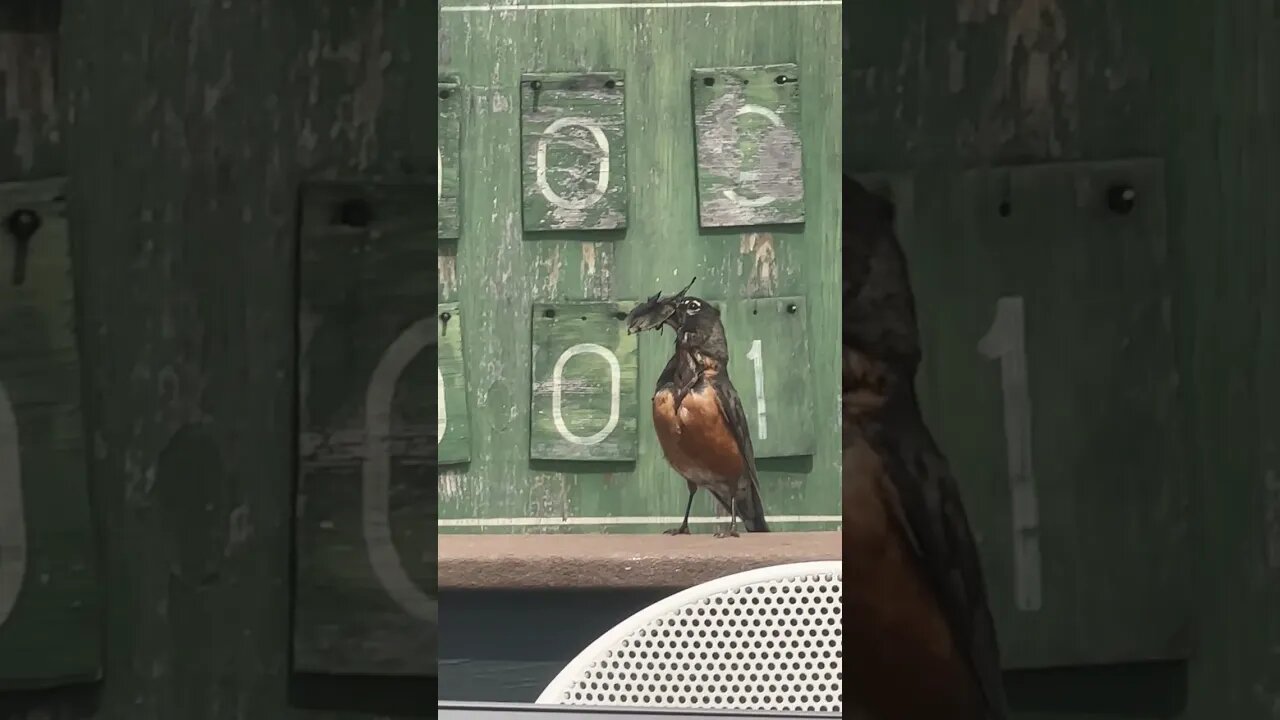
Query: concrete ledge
pixel 586 562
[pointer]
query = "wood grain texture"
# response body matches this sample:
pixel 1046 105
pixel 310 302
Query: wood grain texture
pixel 454 400
pixel 1089 481
pixel 574 151
pixel 662 248
pixel 50 607
pixel 968 84
pixel 366 546
pixel 190 128
pixel 451 103
pixel 584 402
pixel 747 124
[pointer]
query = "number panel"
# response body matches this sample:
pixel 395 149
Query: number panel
pixel 780 324
pixel 49 602
pixel 574 153
pixel 453 417
pixel 365 601
pixel 1102 484
pixel 449 158
pixel 747 127
pixel 572 345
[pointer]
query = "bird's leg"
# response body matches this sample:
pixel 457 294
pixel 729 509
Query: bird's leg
pixel 733 520
pixel 684 525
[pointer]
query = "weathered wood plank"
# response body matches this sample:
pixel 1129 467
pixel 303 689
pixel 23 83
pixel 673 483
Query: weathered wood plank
pixel 449 157
pixel 584 403
pixel 453 419
pixel 770 366
pixel 1049 377
pixel 574 151
pixel 50 629
pixel 747 123
pixel 498 279
pixel 366 505
pixel 192 126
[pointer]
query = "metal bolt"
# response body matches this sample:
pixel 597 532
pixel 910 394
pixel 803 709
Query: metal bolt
pixel 1121 198
pixel 22 224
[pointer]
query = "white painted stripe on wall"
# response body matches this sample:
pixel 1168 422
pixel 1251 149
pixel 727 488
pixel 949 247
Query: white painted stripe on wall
pixel 711 4
pixel 621 520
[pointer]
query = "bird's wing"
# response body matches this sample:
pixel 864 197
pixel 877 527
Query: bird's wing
pixel 929 503
pixel 736 418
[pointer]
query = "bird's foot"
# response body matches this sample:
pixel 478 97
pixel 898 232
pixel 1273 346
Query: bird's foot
pixel 682 530
pixel 727 533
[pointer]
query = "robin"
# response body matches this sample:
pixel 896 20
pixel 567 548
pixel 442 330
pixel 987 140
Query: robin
pixel 697 413
pixel 920 639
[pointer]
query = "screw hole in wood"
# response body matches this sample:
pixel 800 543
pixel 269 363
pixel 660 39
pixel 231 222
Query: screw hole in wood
pixel 22 224
pixel 356 213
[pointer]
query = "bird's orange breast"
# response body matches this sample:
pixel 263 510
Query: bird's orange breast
pixel 695 439
pixel 899 652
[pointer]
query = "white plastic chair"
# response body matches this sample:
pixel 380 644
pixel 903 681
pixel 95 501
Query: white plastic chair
pixel 765 639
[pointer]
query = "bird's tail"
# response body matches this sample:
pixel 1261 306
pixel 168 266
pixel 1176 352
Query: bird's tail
pixel 751 509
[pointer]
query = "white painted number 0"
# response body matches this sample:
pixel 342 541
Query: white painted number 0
pixel 13 531
pixel 540 164
pixel 1006 341
pixel 557 393
pixel 442 416
pixel 743 177
pixel 756 356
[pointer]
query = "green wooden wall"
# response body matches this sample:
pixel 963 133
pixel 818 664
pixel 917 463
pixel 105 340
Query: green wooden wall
pixel 643 236
pixel 1148 333
pixel 187 132
pixel 195 126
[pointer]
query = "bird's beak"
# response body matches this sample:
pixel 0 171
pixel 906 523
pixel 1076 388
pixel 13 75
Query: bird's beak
pixel 654 312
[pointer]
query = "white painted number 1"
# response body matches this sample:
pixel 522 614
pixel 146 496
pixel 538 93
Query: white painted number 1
pixel 557 393
pixel 756 356
pixel 1006 341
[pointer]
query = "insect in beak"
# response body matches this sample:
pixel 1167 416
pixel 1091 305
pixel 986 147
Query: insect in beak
pixel 654 312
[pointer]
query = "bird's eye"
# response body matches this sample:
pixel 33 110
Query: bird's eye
pixel 692 307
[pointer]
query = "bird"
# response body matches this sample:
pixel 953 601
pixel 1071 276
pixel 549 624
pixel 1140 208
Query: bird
pixel 920 639
pixel 697 414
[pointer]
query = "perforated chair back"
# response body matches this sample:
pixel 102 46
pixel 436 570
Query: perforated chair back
pixel 766 639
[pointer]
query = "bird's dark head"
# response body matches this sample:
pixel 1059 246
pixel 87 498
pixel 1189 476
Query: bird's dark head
pixel 879 308
pixel 698 327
